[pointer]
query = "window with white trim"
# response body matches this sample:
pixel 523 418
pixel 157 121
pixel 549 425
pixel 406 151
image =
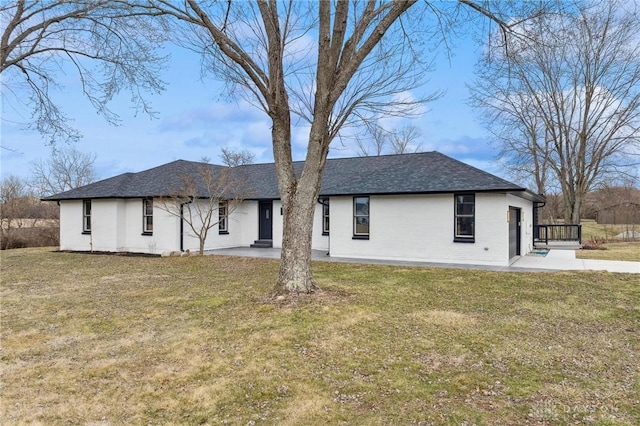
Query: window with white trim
pixel 465 217
pixel 86 216
pixel 361 217
pixel 147 216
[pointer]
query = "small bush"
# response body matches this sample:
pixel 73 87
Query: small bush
pixel 595 243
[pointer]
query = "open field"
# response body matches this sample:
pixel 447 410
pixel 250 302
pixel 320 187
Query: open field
pixel 31 223
pixel 97 339
pixel 591 229
pixel 613 249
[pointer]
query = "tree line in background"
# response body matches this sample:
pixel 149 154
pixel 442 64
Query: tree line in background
pixel 25 220
pixel 558 83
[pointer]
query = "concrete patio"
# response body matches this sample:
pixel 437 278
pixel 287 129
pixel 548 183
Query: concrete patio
pixel 555 260
pixel 565 260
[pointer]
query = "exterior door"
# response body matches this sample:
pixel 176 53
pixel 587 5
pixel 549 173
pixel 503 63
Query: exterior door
pixel 265 224
pixel 514 232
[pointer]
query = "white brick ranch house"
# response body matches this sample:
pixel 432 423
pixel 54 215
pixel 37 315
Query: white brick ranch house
pixel 417 207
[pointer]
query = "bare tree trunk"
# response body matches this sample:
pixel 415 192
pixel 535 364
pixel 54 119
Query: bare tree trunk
pixel 577 209
pixel 573 209
pixel 298 195
pixel 295 274
pixel 572 206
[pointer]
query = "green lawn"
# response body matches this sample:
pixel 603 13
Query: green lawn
pixel 96 339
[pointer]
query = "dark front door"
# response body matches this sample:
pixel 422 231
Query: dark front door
pixel 265 223
pixel 514 232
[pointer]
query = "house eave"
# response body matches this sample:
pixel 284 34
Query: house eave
pixel 518 192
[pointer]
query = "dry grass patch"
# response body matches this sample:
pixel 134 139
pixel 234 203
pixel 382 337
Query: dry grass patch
pixel 444 318
pixel 610 247
pixel 96 339
pixel 628 251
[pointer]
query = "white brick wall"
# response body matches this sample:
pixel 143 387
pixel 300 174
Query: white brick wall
pixel 421 228
pixel 414 227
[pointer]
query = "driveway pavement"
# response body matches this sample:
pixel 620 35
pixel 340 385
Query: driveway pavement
pixel 555 260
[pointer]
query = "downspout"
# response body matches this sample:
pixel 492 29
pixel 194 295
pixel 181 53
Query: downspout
pixel 536 215
pixel 182 223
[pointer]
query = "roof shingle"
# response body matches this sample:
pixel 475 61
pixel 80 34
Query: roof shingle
pixel 427 172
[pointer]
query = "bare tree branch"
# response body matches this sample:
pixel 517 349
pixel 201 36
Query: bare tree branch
pixel 66 168
pixel 406 139
pixel 205 200
pixel 110 44
pixel 233 158
pixel 568 105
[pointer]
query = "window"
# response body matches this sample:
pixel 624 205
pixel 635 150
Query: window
pixel 465 217
pixel 86 216
pixel 325 216
pixel 223 218
pixel 361 217
pixel 147 216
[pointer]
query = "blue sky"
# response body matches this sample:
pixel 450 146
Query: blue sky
pixel 195 119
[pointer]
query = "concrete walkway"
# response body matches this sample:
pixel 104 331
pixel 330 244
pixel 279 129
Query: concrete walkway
pixel 565 260
pixel 555 260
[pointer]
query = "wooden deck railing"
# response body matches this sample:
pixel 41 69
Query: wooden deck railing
pixel 546 233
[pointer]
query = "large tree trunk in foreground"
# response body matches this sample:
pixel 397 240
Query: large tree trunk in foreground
pixel 299 195
pixel 295 262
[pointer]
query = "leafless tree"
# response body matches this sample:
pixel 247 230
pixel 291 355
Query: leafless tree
pixel 205 200
pixel 264 49
pixel 378 140
pixel 15 206
pixel 331 64
pixel 67 168
pixel 373 142
pixel 406 139
pixel 564 103
pixel 232 158
pixel 108 44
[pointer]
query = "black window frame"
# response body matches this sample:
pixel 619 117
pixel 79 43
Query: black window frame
pixel 458 216
pixel 356 216
pixel 223 217
pixel 146 216
pixel 86 217
pixel 325 216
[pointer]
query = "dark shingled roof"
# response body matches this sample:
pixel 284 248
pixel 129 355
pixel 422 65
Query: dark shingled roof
pixel 420 173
